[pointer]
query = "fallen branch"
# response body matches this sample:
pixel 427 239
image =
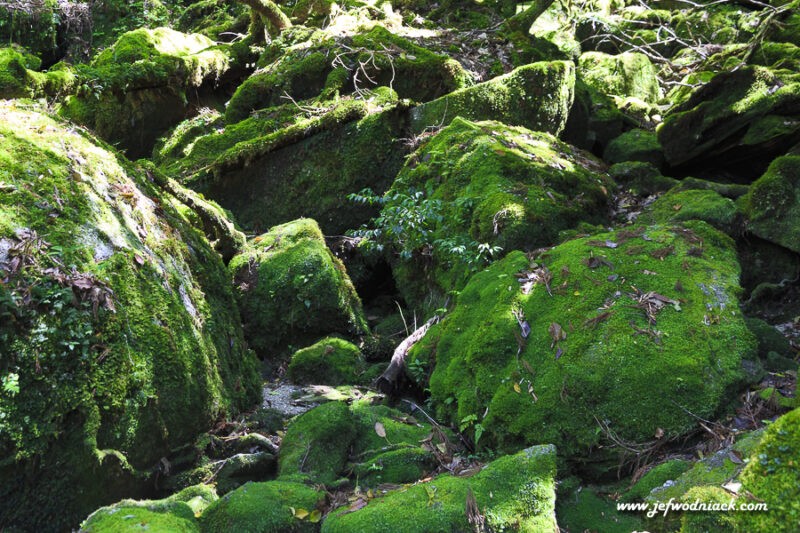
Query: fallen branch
pixel 388 382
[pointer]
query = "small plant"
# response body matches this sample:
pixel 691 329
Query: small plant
pixel 471 421
pixel 409 225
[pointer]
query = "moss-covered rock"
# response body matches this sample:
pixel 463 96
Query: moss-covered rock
pixel 641 178
pixel 331 361
pixel 268 507
pixel 119 325
pixel 517 491
pixel 594 118
pixel 19 76
pixel 627 331
pixel 335 441
pixel 216 19
pixel 693 204
pixel 629 74
pixel 736 116
pixel 587 509
pixel 292 290
pixel 715 470
pixel 537 96
pixel 479 186
pixel 142 85
pixel 175 513
pixel 333 66
pixel 772 205
pixel 657 476
pixel 635 145
pixel 772 476
pixel 277 165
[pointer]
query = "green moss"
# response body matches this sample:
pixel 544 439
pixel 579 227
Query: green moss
pixel 693 204
pixel 623 75
pixel 582 369
pixel 772 477
pixel 728 190
pixel 635 145
pixel 263 508
pixel 769 339
pixel 334 441
pixel 293 290
pixel 316 444
pixel 303 72
pixel 714 470
pixel 537 96
pixel 641 178
pixel 773 204
pixel 587 510
pixel 512 492
pixel 330 361
pixel 728 113
pixel 272 179
pixel 138 88
pixel 19 77
pixel 656 477
pixel 594 118
pixel 406 465
pixel 107 387
pixel 130 515
pixel 701 522
pixel 484 183
pixel 214 18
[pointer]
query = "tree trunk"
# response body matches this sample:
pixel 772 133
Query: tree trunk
pixel 388 382
pixel 269 13
pixel 523 21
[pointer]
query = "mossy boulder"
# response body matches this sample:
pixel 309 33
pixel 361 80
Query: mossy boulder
pixel 594 119
pixel 141 86
pixel 693 204
pixel 479 186
pixel 660 475
pixel 331 361
pixel 588 509
pixel 715 470
pixel 629 74
pixel 19 76
pixel 292 290
pixel 341 65
pixel 635 145
pixel 641 178
pixel 772 205
pixel 119 325
pixel 334 441
pixel 267 507
pixel 537 96
pixel 277 166
pixel 739 115
pixel 772 477
pixel 175 513
pixel 626 332
pixel 516 491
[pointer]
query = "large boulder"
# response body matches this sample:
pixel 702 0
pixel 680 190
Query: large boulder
pixel 372 444
pixel 741 116
pixel 19 76
pixel 278 165
pixel 625 336
pixel 292 290
pixel 537 96
pixel 478 189
pixel 334 65
pixel 516 493
pixel 773 203
pixel 629 74
pixel 137 89
pixel 119 328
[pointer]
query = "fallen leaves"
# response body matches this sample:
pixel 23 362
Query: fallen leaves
pixel 537 275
